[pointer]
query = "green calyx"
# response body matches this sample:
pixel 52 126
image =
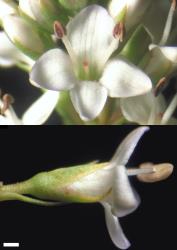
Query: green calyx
pixel 51 188
pixel 137 45
pixel 73 4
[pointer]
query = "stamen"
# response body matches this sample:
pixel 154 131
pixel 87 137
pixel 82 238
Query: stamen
pixel 168 24
pixel 112 47
pixel 61 34
pixel 7 101
pixel 161 172
pixel 169 111
pixel 119 31
pixel 160 86
pixel 58 30
pixel 138 171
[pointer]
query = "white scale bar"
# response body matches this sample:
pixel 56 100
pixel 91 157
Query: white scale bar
pixel 10 244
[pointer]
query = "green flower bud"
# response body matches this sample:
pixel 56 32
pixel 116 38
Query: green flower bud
pixel 44 12
pixel 7 7
pixel 53 186
pixel 26 36
pixel 73 4
pixel 128 11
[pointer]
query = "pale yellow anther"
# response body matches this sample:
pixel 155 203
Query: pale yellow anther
pixel 119 31
pixel 159 172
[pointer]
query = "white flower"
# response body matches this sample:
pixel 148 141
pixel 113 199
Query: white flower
pixel 10 55
pixel 112 184
pixel 148 109
pixel 87 72
pixel 36 114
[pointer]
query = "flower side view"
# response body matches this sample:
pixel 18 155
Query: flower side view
pixel 90 39
pixel 106 183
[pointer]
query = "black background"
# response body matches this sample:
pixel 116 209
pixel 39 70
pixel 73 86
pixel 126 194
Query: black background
pixel 27 151
pixel 16 82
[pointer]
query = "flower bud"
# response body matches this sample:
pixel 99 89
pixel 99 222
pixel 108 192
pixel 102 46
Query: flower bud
pixel 7 7
pixel 45 12
pixel 129 11
pixel 73 5
pixel 25 36
pixel 159 172
pixel 25 9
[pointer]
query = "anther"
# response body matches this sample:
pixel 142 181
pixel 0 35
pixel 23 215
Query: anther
pixel 174 4
pixel 160 172
pixel 7 101
pixel 119 31
pixel 60 33
pixel 160 86
pixel 58 30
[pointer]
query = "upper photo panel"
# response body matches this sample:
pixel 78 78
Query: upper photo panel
pixel 65 62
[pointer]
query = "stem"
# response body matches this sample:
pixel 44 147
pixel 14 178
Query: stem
pixel 5 196
pixel 20 187
pixel 16 192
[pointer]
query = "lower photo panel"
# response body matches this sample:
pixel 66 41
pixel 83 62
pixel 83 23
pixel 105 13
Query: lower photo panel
pixel 88 187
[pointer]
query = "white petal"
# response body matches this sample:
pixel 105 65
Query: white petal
pixel 88 99
pixel 98 183
pixel 25 7
pixel 40 110
pixel 127 146
pixel 9 54
pixel 124 198
pixel 139 109
pixel 7 8
pixel 53 71
pixel 5 121
pixel 123 79
pixel 114 229
pixel 169 52
pixel 91 33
